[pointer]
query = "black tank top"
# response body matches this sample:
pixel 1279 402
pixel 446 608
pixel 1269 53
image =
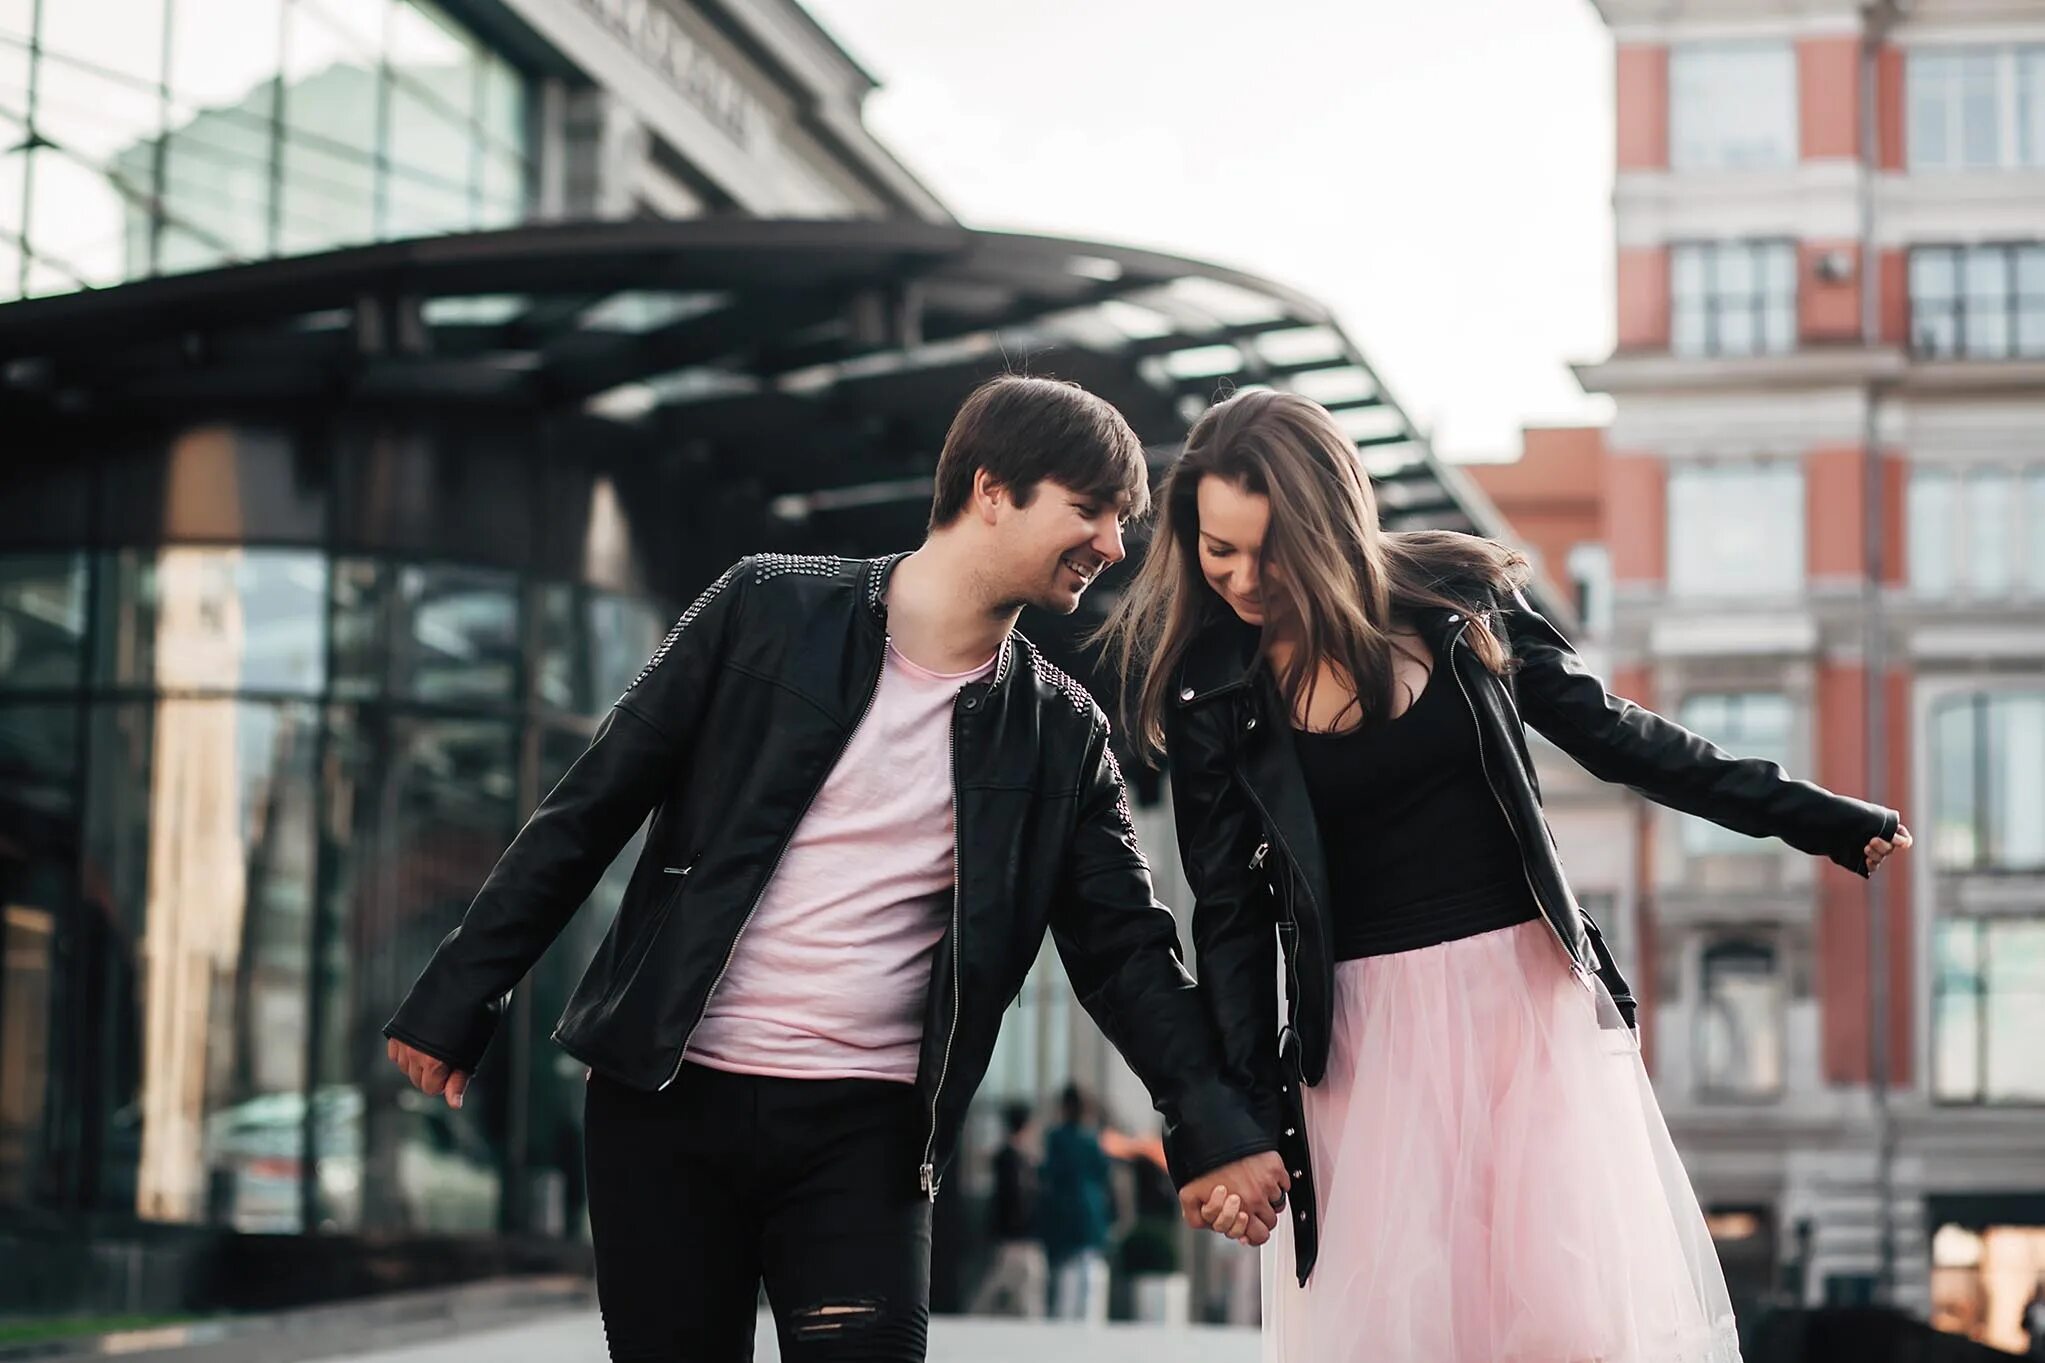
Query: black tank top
pixel 1418 851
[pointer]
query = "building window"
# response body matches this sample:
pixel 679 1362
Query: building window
pixel 150 146
pixel 1736 530
pixel 1978 302
pixel 1732 106
pixel 1988 1010
pixel 1977 533
pixel 1590 572
pixel 1977 108
pixel 1745 724
pixel 1732 298
pixel 1740 1021
pixel 1988 782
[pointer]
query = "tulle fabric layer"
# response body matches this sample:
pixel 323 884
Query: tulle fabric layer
pixel 1496 1181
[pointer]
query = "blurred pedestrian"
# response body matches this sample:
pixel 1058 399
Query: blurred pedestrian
pixel 1345 711
pixel 1018 1282
pixel 1074 1212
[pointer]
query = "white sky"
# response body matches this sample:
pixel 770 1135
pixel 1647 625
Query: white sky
pixel 1437 171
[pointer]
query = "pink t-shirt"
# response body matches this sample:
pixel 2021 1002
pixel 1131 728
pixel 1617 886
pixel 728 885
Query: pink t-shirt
pixel 829 978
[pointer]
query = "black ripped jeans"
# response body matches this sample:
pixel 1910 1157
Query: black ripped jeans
pixel 700 1193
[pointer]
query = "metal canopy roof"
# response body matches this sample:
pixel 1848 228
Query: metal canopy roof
pixel 834 351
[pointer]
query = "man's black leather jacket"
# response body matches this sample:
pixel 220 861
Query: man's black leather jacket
pixel 725 737
pixel 1254 862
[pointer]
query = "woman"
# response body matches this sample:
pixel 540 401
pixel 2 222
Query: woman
pixel 1480 1173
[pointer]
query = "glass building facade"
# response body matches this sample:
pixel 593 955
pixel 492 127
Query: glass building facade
pixel 245 785
pixel 165 135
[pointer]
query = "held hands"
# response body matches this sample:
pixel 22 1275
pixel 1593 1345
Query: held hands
pixel 1879 849
pixel 1242 1200
pixel 428 1075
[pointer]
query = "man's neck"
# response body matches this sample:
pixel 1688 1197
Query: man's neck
pixel 938 612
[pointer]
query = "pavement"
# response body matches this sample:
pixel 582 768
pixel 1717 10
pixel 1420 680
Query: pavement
pixel 579 1338
pixel 553 1320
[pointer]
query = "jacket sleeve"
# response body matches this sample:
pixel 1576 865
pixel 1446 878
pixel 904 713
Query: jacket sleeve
pixel 1121 951
pixel 553 864
pixel 1616 740
pixel 1235 920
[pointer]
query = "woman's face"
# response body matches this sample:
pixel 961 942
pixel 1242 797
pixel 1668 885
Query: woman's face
pixel 1233 522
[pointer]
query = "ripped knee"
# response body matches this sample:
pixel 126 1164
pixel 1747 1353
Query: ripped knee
pixel 868 1326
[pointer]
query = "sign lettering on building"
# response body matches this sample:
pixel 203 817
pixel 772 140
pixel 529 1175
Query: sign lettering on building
pixel 658 38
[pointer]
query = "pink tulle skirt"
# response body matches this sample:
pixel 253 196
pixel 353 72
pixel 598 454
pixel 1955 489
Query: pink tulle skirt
pixel 1496 1182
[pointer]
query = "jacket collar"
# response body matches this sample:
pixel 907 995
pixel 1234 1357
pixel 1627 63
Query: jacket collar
pixel 1225 653
pixel 879 570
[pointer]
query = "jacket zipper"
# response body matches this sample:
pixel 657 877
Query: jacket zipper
pixel 926 1176
pixel 1257 864
pixel 1511 827
pixel 872 690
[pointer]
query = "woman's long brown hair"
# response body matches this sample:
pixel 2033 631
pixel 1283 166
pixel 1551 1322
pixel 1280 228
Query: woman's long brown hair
pixel 1337 578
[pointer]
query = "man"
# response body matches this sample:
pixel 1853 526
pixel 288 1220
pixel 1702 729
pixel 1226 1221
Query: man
pixel 871 798
pixel 1017 1283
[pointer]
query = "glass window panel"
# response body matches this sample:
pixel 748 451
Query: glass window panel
pixel 1955 783
pixel 432 111
pixel 1737 277
pixel 501 191
pixel 1746 724
pixel 624 631
pixel 1687 330
pixel 200 833
pixel 13 181
pixel 218 148
pixel 1741 1046
pixel 1986 271
pixel 1732 105
pixel 1990 555
pixel 17 18
pixel 428 632
pixel 2016 782
pixel 2034 530
pixel 1931 96
pixel 82 228
pixel 2014 1016
pixel 1739 328
pixel 2029 338
pixel 1687 273
pixel 1988 330
pixel 38 861
pixel 1956 1020
pixel 417 205
pixel 1778 269
pixel 1736 530
pixel 418 811
pixel 501 108
pixel 1934 532
pixel 42 621
pixel 332 95
pixel 206 618
pixel 1778 328
pixel 1980 111
pixel 2031 106
pixel 1934 275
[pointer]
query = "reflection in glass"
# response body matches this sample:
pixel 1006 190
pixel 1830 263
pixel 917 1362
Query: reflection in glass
pixel 214 619
pixel 1740 1043
pixel 417 811
pixel 38 857
pixel 200 863
pixel 429 632
pixel 42 621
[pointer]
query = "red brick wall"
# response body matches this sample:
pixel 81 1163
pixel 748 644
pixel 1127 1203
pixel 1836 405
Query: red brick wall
pixel 1642 103
pixel 1642 291
pixel 1636 518
pixel 1828 97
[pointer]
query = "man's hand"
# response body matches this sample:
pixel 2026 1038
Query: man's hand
pixel 1242 1200
pixel 428 1075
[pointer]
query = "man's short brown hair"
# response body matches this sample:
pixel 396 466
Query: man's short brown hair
pixel 1023 430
